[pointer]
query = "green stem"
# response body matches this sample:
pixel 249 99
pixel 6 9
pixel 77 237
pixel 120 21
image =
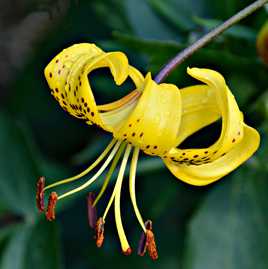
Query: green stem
pixel 186 53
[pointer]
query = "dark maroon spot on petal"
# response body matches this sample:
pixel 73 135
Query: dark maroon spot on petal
pixel 50 75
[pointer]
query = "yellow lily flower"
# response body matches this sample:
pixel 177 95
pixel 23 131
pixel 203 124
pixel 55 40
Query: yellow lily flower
pixel 154 118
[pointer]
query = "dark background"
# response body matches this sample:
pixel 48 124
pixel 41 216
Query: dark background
pixel 224 225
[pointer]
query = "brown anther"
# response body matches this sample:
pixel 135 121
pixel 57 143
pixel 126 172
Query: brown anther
pixel 99 232
pixel 151 245
pixel 127 252
pixel 40 194
pixel 50 214
pixel 91 211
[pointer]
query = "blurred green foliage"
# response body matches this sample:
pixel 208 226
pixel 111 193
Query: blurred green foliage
pixel 223 225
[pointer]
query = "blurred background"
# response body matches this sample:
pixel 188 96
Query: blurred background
pixel 224 225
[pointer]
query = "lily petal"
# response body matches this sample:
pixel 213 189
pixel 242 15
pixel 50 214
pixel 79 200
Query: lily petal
pixel 224 152
pixel 67 76
pixel 154 122
pixel 199 109
pixel 210 172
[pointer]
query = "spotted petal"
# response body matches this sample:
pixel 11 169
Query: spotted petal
pixel 67 76
pixel 154 122
pixel 237 141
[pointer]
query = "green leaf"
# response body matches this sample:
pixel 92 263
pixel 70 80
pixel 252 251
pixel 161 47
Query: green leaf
pixel 20 166
pixel 32 246
pixel 159 52
pixel 145 23
pixel 230 228
pixel 18 169
pixel 178 13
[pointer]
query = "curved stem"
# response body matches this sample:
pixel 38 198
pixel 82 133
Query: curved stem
pixel 186 53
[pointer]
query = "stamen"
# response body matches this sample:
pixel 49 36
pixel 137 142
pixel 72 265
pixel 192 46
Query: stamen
pixel 92 179
pixel 91 167
pixel 40 194
pixel 50 214
pixel 121 233
pixel 110 172
pixel 151 245
pixel 142 243
pixel 132 178
pixel 99 228
pixel 91 210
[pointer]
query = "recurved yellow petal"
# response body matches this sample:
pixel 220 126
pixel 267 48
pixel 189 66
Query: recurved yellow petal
pixel 207 173
pixel 210 102
pixel 154 122
pixel 67 76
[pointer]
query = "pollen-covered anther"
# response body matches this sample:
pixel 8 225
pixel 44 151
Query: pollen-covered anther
pixel 142 247
pixel 151 245
pixel 40 194
pixel 99 232
pixel 91 210
pixel 50 214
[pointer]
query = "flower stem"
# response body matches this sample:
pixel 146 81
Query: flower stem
pixel 186 53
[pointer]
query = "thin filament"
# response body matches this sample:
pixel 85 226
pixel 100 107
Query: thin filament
pixel 92 179
pixel 117 211
pixel 92 166
pixel 132 179
pixel 110 173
